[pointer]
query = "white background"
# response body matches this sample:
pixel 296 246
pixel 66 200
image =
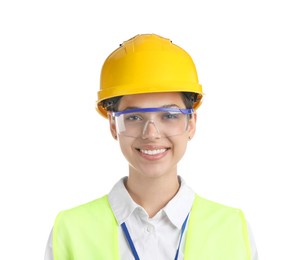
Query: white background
pixel 56 151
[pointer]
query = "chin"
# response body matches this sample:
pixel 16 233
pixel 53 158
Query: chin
pixel 154 171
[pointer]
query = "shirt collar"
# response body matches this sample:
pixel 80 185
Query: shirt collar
pixel 121 202
pixel 180 205
pixel 176 210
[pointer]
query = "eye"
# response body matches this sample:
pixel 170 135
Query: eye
pixel 133 117
pixel 171 115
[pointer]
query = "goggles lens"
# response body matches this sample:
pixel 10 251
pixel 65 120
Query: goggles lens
pixel 152 121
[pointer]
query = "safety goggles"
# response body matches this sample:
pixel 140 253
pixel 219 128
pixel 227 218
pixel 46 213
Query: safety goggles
pixel 155 122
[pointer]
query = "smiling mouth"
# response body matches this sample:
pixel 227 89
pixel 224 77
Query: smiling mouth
pixel 153 152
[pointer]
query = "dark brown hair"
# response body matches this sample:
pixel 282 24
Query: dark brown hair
pixel 112 104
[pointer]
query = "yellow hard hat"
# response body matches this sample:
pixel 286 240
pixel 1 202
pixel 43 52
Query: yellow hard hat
pixel 147 63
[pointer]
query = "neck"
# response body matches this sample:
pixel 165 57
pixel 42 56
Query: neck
pixel 152 193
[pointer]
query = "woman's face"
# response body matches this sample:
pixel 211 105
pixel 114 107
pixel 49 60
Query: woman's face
pixel 153 152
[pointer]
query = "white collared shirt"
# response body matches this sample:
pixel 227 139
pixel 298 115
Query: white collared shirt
pixel 155 238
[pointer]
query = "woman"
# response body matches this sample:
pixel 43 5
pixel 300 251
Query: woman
pixel 150 93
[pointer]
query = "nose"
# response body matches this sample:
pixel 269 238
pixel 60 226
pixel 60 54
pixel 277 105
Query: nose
pixel 150 130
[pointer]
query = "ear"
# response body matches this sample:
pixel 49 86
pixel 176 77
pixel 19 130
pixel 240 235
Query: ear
pixel 192 126
pixel 112 125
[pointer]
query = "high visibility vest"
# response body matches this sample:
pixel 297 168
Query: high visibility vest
pixel 90 232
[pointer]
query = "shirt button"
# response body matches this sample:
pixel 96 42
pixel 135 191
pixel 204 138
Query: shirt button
pixel 150 228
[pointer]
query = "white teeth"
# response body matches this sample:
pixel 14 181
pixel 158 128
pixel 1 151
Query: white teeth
pixel 153 152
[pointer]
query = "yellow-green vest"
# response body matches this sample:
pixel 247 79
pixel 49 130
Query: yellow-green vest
pixel 90 232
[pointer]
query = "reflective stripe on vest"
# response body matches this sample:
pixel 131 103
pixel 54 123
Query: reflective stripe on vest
pixel 90 232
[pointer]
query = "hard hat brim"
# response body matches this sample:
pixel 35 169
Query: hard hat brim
pixel 133 90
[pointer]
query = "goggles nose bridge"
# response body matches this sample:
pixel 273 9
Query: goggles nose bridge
pixel 147 131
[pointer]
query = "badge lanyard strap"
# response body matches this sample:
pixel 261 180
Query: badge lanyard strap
pixel 132 246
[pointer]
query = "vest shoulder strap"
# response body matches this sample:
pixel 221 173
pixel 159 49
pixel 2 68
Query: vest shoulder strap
pixel 216 232
pixel 96 227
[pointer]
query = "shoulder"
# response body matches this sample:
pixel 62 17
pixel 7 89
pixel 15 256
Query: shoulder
pixel 95 209
pixel 203 202
pixel 206 208
pixel 88 206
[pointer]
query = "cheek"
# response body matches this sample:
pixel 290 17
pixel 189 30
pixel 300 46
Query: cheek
pixel 180 146
pixel 183 148
pixel 126 147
